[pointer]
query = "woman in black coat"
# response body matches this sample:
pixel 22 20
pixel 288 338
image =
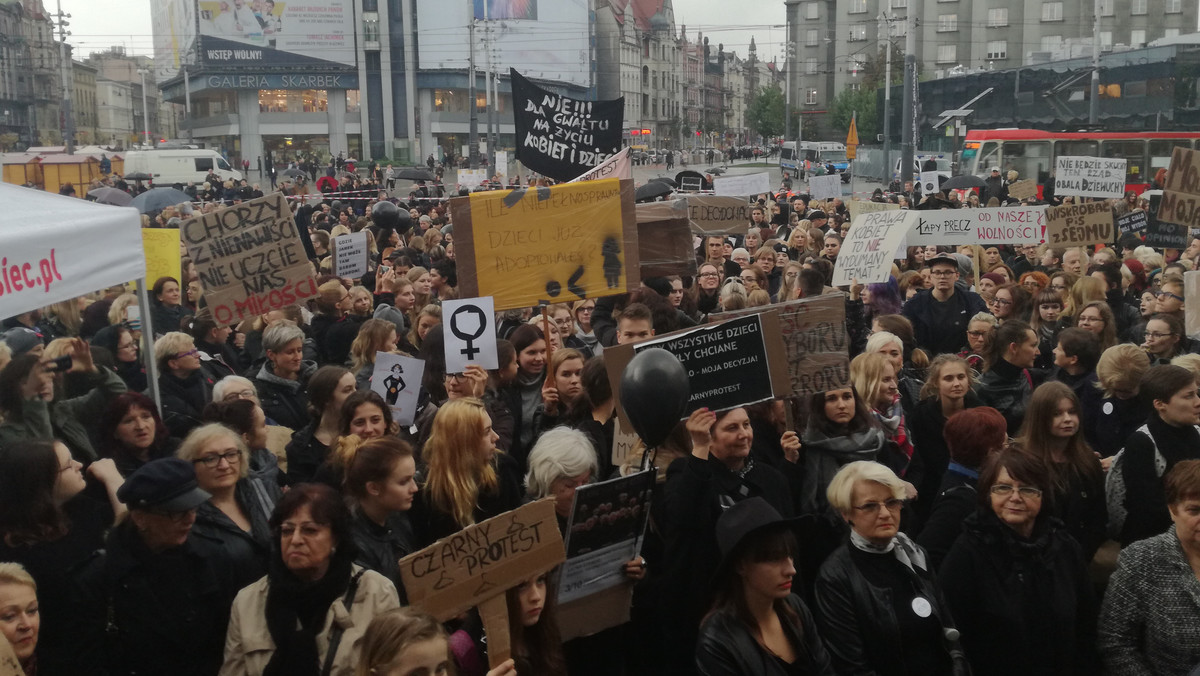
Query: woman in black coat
pixel 127 363
pixel 1008 382
pixel 185 386
pixel 166 306
pixel 1016 581
pixel 879 605
pixel 283 377
pixel 946 392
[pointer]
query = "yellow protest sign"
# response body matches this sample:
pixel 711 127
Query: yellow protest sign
pixel 161 246
pixel 557 244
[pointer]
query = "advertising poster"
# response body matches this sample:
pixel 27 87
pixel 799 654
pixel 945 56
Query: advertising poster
pixel 272 33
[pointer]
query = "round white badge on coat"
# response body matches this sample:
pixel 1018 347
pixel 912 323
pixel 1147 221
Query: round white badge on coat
pixel 1108 408
pixel 921 607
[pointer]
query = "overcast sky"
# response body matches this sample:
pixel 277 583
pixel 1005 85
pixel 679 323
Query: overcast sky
pixel 97 25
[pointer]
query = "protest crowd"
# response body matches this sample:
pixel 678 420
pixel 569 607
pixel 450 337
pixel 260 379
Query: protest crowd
pixel 1005 480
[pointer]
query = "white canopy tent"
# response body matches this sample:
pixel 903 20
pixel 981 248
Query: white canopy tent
pixel 54 248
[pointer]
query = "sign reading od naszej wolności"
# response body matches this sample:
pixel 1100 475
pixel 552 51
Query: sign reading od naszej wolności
pixel 562 137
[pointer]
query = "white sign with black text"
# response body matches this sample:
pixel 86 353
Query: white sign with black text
pixel 929 182
pixel 825 187
pixel 469 330
pixel 397 379
pixel 1089 176
pixel 746 185
pixel 350 254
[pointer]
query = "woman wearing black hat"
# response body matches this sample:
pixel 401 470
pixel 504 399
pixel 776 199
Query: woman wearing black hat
pixel 881 610
pixel 756 625
pixel 154 603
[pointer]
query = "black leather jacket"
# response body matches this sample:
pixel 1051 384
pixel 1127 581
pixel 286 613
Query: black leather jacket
pixel 727 648
pixel 380 548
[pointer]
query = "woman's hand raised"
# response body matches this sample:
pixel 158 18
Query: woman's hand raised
pixel 699 425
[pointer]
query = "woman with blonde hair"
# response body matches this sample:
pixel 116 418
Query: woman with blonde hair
pixel 874 378
pixel 118 313
pixel 20 620
pixel 790 281
pixel 407 641
pixel 62 320
pixel 1123 409
pixel 1083 291
pixel 422 285
pixel 376 335
pixel 429 317
pixel 466 479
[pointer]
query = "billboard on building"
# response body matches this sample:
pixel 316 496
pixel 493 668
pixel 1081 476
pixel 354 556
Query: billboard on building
pixel 174 25
pixel 271 33
pixel 544 39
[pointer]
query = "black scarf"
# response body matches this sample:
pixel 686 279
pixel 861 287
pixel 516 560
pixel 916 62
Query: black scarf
pixel 292 602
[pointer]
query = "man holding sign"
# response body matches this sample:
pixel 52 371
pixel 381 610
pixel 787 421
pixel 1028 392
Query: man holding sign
pixel 940 315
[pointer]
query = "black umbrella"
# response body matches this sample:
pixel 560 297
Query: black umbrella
pixel 663 179
pixel 651 191
pixel 157 199
pixel 415 174
pixel 117 198
pixel 688 176
pixel 963 182
pixel 138 176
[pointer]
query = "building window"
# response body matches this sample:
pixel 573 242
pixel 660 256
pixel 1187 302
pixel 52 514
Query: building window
pixel 1171 33
pixel 1106 40
pixel 857 7
pixel 997 17
pixel 854 86
pixel 810 97
pixel 858 33
pixel 899 4
pixel 1137 7
pixel 810 65
pixel 1052 11
pixel 352 101
pixel 811 37
pixel 1107 7
pixel 1137 37
pixel 947 23
pixel 1051 42
pixel 371 28
pixel 947 53
pixel 997 49
pixel 812 11
pixel 1173 7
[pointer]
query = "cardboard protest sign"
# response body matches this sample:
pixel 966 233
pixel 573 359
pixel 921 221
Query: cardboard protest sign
pixel 562 243
pixel 1132 223
pixel 250 259
pixel 1089 176
pixel 998 225
pixel 350 254
pixel 472 178
pixel 930 182
pixel 717 215
pixel 604 532
pixel 870 246
pixel 476 565
pixel 743 185
pixel 664 239
pixel 469 333
pixel 856 207
pixel 1164 235
pixel 1191 303
pixel 562 137
pixel 1023 190
pixel 1079 224
pixel 397 379
pixel 814 341
pixel 617 166
pixel 1181 194
pixel 825 187
pixel 729 364
pixel 624 442
pixel 162 253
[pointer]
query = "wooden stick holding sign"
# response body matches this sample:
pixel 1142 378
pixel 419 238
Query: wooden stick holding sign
pixel 477 565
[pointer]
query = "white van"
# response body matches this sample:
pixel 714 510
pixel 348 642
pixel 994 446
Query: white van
pixel 179 165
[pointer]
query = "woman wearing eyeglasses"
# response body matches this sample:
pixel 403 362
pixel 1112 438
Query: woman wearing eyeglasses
pixel 123 345
pixel 1098 318
pixel 1169 299
pixel 879 606
pixel 1165 338
pixel 184 386
pixel 235 518
pixel 708 287
pixel 1016 581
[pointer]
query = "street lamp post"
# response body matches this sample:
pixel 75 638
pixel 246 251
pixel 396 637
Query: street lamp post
pixel 145 110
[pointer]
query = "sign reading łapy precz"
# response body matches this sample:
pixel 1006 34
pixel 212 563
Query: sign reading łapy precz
pixel 1079 224
pixel 561 137
pixel 1089 176
pixel 726 363
pixel 1002 225
pixel 870 245
pixel 250 259
pixel 1181 194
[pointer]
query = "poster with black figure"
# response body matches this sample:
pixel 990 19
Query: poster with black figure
pixel 397 379
pixel 561 137
pixel 470 333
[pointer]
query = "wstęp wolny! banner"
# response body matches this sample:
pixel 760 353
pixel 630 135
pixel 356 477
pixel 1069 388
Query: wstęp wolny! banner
pixel 561 137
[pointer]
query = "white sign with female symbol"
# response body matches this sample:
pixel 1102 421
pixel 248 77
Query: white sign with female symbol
pixel 470 333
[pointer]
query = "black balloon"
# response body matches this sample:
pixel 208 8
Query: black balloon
pixel 654 394
pixel 388 215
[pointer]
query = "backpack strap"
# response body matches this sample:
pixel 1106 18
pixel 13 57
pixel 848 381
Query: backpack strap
pixel 335 634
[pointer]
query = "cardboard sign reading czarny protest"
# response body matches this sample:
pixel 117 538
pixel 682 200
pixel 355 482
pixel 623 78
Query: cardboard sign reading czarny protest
pixel 1002 225
pixel 250 259
pixel 870 246
pixel 717 215
pixel 1181 194
pixel 814 340
pixel 732 363
pixel 743 185
pixel 1089 176
pixel 562 243
pixel 476 565
pixel 1079 224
